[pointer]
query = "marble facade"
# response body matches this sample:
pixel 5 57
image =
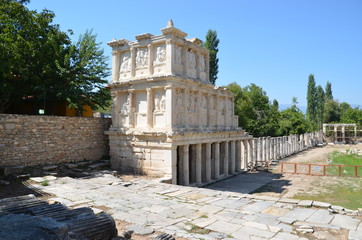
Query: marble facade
pixel 168 120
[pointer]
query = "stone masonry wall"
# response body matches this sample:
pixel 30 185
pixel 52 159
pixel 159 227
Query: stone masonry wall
pixel 31 140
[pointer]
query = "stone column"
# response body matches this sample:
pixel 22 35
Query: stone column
pixel 232 157
pixel 343 134
pixel 132 122
pixel 208 109
pixel 170 52
pixel 208 162
pixel 149 108
pixel 226 158
pixel 250 153
pixel 267 143
pixel 184 60
pixel 244 154
pixel 239 154
pixel 198 109
pixel 133 61
pixel 226 112
pixel 150 59
pixel 186 169
pixel 198 164
pixel 185 102
pixel 174 164
pixel 335 133
pixel 216 106
pixel 170 101
pixel 217 159
pixel 256 152
pixel 115 66
pixel 260 150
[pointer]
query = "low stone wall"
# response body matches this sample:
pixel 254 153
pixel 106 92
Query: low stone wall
pixel 32 140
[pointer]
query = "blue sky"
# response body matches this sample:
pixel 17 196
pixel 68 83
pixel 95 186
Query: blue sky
pixel 274 44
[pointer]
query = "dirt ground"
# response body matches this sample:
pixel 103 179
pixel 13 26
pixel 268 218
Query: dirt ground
pixel 290 185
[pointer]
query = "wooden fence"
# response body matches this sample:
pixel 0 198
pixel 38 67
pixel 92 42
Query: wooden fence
pixel 321 170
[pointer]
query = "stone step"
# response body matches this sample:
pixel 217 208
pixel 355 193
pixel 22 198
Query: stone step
pixel 50 168
pixel 71 165
pixel 6 171
pixel 82 164
pixel 98 166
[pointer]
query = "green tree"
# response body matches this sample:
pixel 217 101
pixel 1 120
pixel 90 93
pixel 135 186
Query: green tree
pixel 30 46
pixel 352 115
pixel 320 102
pixel 332 112
pixel 86 71
pixel 39 64
pixel 311 100
pixel 329 94
pixel 212 44
pixel 256 114
pixel 292 121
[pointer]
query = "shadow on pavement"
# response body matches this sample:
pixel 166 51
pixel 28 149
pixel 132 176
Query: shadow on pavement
pixel 252 182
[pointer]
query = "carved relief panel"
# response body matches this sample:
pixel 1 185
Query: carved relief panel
pixel 125 65
pixel 159 58
pixel 124 113
pixel 202 68
pixel 141 108
pixel 141 61
pixel 179 107
pixel 191 63
pixel 203 110
pixel 159 103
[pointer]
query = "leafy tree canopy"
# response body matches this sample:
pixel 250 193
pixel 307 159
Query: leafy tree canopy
pixel 40 64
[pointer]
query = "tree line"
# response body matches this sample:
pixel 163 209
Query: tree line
pixel 262 117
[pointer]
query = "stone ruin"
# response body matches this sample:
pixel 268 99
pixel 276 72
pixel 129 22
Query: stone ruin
pixel 345 133
pixel 168 120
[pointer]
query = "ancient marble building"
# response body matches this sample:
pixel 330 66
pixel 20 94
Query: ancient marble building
pixel 168 120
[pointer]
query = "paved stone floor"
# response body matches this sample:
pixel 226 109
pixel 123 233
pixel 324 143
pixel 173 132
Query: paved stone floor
pixel 222 214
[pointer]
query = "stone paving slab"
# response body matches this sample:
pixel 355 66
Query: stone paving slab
pixel 321 216
pixel 174 209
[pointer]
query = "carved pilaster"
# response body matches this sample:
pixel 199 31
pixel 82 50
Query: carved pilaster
pixel 115 66
pixel 131 108
pixel 149 108
pixel 133 61
pixel 150 58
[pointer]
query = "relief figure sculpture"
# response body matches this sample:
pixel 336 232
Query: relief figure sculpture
pixel 141 58
pixel 126 64
pixel 160 55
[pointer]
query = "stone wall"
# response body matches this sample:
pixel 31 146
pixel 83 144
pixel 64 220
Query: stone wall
pixel 31 140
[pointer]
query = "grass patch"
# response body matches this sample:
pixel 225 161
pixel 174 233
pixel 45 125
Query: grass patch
pixel 345 159
pixel 45 183
pixel 345 192
pixel 197 230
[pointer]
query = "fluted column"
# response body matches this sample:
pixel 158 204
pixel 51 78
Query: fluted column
pixel 186 169
pixel 133 61
pixel 198 164
pixel 226 158
pixel 239 155
pixel 232 157
pixel 208 162
pixel 217 159
pixel 115 66
pixel 149 108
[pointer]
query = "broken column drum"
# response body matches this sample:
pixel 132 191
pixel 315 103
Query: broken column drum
pixel 168 120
